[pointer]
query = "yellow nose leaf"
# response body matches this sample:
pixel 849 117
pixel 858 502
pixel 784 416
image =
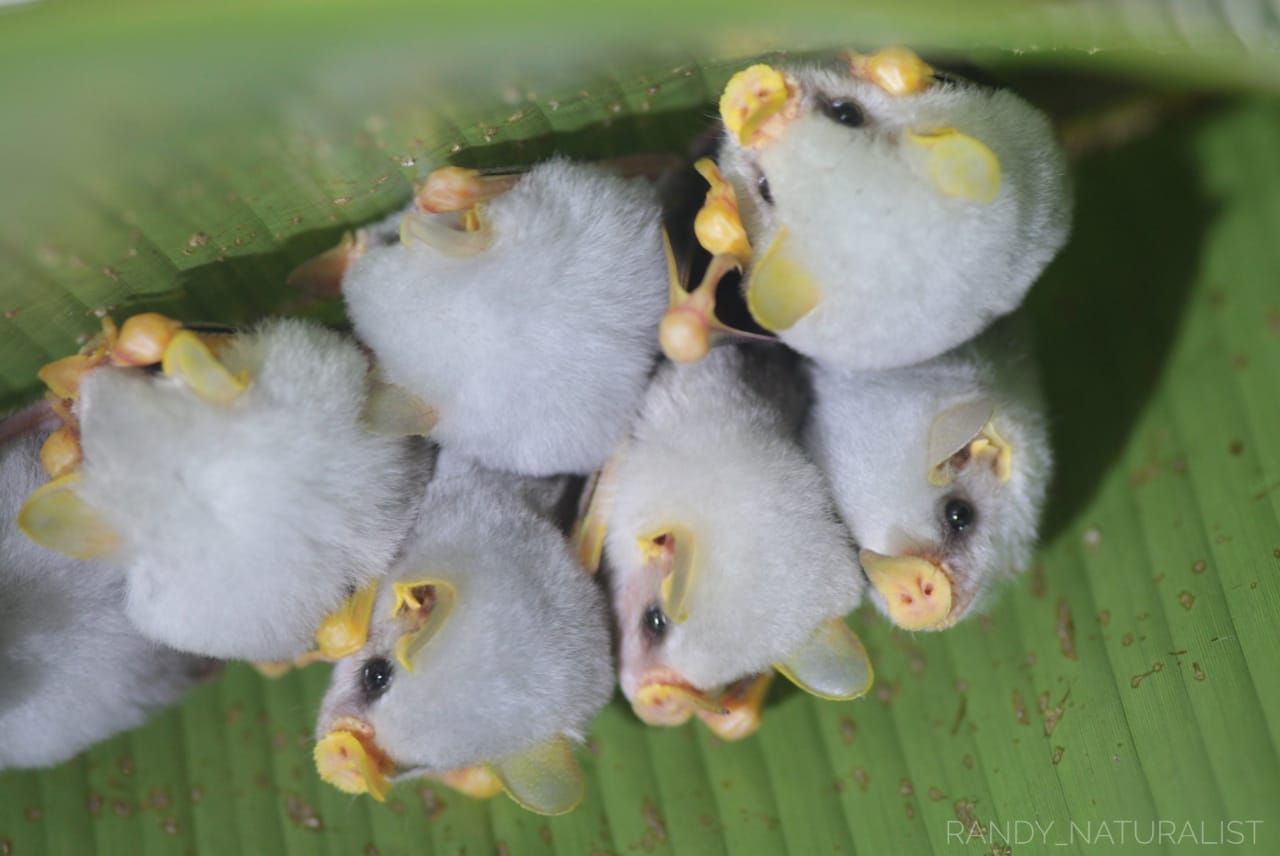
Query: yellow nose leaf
pixel 55 516
pixel 752 97
pixel 672 704
pixel 342 761
pixel 896 70
pixel 959 165
pixel 779 290
pixel 917 594
pixel 189 359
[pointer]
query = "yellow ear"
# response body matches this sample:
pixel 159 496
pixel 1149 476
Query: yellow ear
pixel 963 435
pixel 425 605
pixel 432 232
pixel 832 664
pixel 587 536
pixel 545 779
pixel 959 165
pixel 673 545
pixel 779 290
pixel 55 516
pixel 189 359
pixel 346 629
pixel 393 411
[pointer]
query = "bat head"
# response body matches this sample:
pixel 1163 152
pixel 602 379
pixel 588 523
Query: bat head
pixel 488 644
pixel 894 211
pixel 940 471
pixel 725 555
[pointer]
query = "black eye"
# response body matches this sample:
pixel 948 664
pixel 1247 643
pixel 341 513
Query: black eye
pixel 376 677
pixel 654 622
pixel 959 515
pixel 762 184
pixel 845 112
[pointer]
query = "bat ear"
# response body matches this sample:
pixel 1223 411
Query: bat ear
pixel 55 516
pixel 673 547
pixel 587 537
pixel 963 434
pixel 832 664
pixel 345 630
pixel 189 360
pixel 424 606
pixel 752 97
pixel 439 235
pixel 393 411
pixel 779 290
pixel 545 779
pixel 958 164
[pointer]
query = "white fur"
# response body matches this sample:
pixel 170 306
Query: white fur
pixel 523 657
pixel 714 452
pixel 905 272
pixel 534 353
pixel 244 525
pixel 73 670
pixel 869 432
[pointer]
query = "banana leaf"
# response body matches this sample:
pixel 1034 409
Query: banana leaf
pixel 1121 694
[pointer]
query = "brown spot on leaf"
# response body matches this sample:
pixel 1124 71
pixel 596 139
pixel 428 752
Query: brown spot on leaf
pixel 1052 715
pixel 1066 629
pixel 1236 447
pixel 1104 617
pixel 964 814
pixel 545 834
pixel 169 825
pixel 1199 566
pixel 1057 754
pixel 197 239
pixel 1197 672
pixel 121 808
pixel 1020 709
pixel 905 788
pixel 1138 679
pixel 1187 599
pixel 967 760
pixel 848 730
pixel 301 813
pixel 862 778
pixel 653 820
pixel 432 805
pixel 342 200
pixel 935 794
pixel 1037 580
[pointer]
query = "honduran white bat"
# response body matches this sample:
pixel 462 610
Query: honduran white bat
pixel 940 470
pixel 724 551
pixel 242 491
pixel 487 655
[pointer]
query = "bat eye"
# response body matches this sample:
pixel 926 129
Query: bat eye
pixel 844 112
pixel 762 185
pixel 959 515
pixel 654 622
pixel 376 677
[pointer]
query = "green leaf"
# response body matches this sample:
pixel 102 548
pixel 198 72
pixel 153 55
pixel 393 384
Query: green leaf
pixel 185 158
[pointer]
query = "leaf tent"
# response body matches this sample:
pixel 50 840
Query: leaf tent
pixel 1122 693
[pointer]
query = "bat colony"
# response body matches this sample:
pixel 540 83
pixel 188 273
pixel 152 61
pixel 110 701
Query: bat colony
pixel 286 494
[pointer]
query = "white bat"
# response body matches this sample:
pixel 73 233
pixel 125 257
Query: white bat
pixel 487 655
pixel 724 551
pixel 893 212
pixel 244 494
pixel 940 470
pixel 528 328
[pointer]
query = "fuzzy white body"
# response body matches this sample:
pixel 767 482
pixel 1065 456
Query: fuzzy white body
pixel 534 353
pixel 869 432
pixel 73 670
pixel 904 271
pixel 523 656
pixel 243 525
pixel 715 452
